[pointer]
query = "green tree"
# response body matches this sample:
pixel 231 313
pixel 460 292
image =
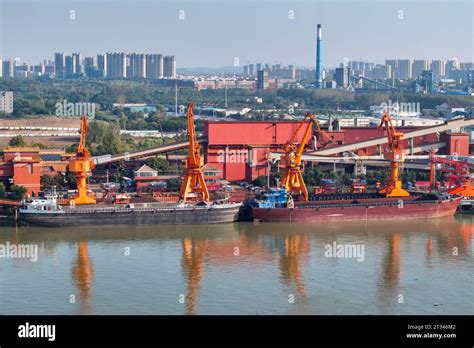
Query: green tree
pixel 40 145
pixel 110 143
pixel 17 141
pixel 173 184
pixel 18 192
pixel 3 192
pixel 157 163
pixel 260 181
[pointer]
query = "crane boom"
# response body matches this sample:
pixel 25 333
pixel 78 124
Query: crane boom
pixel 81 148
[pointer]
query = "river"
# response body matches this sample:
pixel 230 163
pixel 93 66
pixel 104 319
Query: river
pixel 412 267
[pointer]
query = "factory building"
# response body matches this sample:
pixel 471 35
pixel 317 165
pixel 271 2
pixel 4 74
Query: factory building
pixel 240 149
pixel 24 166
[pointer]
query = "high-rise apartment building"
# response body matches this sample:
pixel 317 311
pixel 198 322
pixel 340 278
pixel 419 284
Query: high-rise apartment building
pixel 137 65
pixel 169 69
pixel 8 68
pixel 438 68
pixel 59 65
pixel 380 72
pixel 403 70
pixel 251 70
pixel 419 65
pixel 6 102
pixel 262 79
pixel 116 65
pixel 342 77
pixel 102 63
pixel 393 63
pixel 450 67
pixel 77 63
pixel 70 66
pixel 154 66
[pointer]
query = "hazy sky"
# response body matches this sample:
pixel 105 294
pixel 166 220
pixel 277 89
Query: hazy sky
pixel 214 32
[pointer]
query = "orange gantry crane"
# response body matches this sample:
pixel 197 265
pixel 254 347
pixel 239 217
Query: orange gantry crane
pixel 82 166
pixel 292 178
pixel 193 182
pixel 396 156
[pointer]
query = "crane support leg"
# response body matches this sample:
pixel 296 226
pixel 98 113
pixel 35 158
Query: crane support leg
pixel 193 182
pixel 293 181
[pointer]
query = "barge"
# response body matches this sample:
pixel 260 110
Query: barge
pixel 277 207
pixel 47 212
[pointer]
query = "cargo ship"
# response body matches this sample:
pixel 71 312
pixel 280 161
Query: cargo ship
pixel 277 206
pixel 194 207
pixel 47 212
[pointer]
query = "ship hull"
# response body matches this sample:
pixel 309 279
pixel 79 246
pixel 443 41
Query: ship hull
pixel 94 217
pixel 367 211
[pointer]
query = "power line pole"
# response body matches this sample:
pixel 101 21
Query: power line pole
pixel 225 87
pixel 176 98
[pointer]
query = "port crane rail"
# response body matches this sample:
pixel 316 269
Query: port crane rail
pixel 193 181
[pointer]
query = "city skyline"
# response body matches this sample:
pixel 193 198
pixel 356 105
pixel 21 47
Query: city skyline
pixel 285 32
pixel 426 62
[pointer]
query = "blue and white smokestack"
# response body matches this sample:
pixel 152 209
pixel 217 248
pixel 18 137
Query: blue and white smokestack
pixel 319 75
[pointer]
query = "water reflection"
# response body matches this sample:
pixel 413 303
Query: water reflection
pixel 390 277
pixel 290 262
pixel 291 253
pixel 194 254
pixel 82 276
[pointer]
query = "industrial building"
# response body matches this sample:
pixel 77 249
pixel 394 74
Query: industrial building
pixel 241 149
pixel 24 166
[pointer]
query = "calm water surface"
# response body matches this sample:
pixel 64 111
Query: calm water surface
pixel 422 267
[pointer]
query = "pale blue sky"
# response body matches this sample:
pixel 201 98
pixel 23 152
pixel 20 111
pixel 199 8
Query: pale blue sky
pixel 213 32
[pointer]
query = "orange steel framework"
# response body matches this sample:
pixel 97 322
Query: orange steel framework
pixel 462 170
pixel 82 166
pixel 396 156
pixel 193 182
pixel 324 139
pixel 292 179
